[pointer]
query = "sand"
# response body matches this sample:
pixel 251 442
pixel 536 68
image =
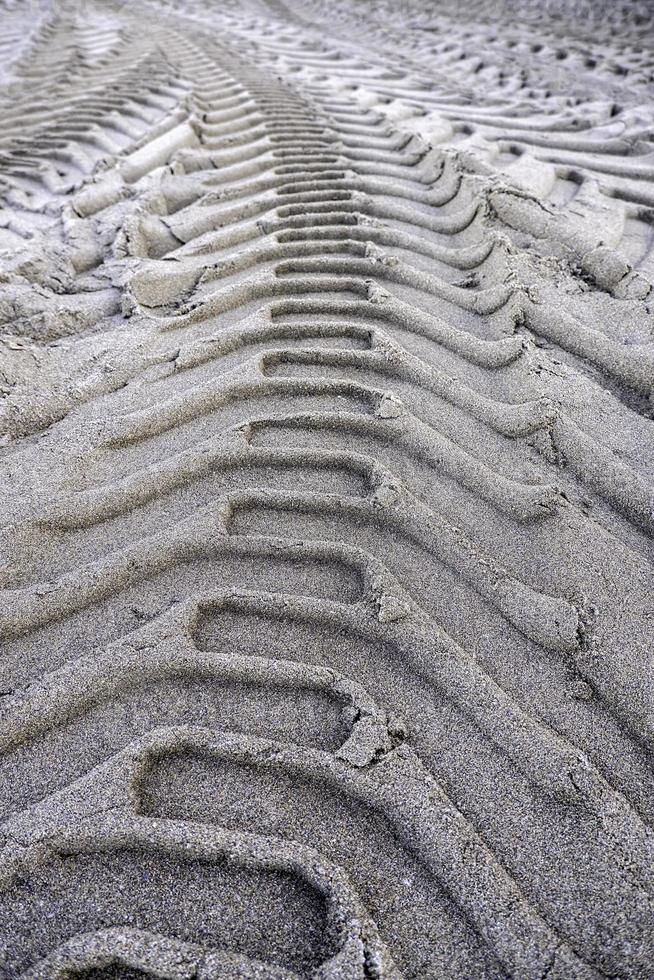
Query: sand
pixel 326 469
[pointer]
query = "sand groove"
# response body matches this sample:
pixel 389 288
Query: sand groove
pixel 325 599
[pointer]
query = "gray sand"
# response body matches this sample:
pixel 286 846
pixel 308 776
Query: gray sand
pixel 327 469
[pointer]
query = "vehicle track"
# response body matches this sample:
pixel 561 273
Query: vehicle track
pixel 325 599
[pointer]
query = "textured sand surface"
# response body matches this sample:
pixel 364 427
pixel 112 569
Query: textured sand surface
pixel 326 470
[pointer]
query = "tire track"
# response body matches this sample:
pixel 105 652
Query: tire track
pixel 326 600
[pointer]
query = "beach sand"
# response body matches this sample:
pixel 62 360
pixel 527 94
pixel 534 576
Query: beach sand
pixel 326 469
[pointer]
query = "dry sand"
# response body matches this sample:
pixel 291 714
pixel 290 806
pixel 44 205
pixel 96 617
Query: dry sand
pixel 327 478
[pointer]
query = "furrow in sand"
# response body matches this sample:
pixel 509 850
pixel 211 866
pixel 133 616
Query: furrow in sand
pixel 325 608
pixel 318 919
pixel 373 736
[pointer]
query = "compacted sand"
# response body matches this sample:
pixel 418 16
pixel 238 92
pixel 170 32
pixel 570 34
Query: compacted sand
pixel 327 474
